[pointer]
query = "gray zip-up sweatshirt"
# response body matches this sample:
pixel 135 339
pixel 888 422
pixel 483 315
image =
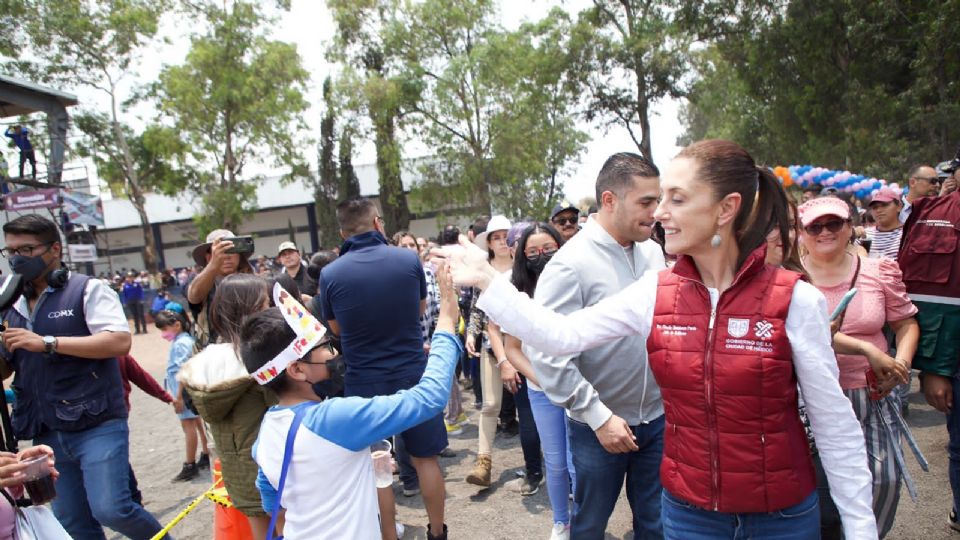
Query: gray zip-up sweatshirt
pixel 614 378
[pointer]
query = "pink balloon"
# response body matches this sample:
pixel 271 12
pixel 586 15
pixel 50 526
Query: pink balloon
pixel 895 186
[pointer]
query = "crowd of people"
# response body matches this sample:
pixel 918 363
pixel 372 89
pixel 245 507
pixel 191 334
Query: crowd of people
pixel 691 338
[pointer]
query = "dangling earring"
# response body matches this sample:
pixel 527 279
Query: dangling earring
pixel 715 241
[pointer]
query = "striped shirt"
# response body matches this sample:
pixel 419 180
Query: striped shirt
pixel 886 243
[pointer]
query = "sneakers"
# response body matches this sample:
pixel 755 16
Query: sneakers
pixel 560 531
pixel 453 429
pixel 447 453
pixel 442 536
pixel 510 428
pixel 188 472
pixel 481 472
pixel 462 419
pixel 204 462
pixel 954 524
pixel 410 493
pixel 531 485
pixel 400 529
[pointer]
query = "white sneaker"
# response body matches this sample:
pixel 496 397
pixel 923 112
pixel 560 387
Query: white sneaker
pixel 400 530
pixel 561 531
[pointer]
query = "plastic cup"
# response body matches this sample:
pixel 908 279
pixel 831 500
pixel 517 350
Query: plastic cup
pixel 382 463
pixel 38 480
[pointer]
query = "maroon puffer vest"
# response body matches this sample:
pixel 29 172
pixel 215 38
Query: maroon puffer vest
pixel 733 441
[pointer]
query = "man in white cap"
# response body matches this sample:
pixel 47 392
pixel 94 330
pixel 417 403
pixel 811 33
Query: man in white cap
pixel 289 257
pixel 218 263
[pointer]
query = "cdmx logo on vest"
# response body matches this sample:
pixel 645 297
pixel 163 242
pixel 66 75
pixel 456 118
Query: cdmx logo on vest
pixel 739 327
pixel 60 314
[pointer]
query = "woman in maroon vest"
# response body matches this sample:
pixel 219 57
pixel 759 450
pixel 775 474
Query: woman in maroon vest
pixel 729 338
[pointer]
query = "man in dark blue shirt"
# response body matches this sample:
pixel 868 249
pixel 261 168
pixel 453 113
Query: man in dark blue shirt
pixel 20 136
pixel 132 296
pixel 372 296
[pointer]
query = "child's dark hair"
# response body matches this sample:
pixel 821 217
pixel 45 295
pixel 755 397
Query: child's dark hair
pixel 166 318
pixel 286 282
pixel 237 296
pixel 522 278
pixel 262 337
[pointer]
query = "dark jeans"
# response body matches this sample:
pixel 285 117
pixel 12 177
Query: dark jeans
pixel 953 429
pixel 600 477
pixel 136 313
pixel 683 521
pixel 508 408
pixel 529 438
pixel 26 156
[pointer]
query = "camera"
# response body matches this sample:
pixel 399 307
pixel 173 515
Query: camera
pixel 947 168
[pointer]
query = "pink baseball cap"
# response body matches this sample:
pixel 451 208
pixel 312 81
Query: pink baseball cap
pixel 812 210
pixel 884 195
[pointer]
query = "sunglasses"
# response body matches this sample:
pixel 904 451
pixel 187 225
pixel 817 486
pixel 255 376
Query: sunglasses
pixel 833 226
pixel 929 179
pixel 561 221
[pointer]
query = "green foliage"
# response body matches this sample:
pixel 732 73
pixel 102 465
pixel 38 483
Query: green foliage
pixel 237 98
pixel 864 85
pixel 630 54
pixel 496 107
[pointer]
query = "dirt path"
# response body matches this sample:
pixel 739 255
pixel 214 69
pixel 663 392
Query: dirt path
pixel 156 451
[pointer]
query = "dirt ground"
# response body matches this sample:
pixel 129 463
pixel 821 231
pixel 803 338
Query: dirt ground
pixel 156 453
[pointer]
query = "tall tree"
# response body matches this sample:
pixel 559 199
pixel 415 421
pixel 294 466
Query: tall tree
pixel 854 84
pixel 327 187
pixel 96 44
pixel 359 43
pixel 632 53
pixel 237 98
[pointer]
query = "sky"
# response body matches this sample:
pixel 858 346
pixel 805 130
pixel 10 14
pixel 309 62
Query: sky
pixel 309 25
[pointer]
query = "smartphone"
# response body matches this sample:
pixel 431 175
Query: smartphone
pixel 844 302
pixel 241 244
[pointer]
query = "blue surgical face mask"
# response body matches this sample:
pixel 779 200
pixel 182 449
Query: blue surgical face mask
pixel 29 267
pixel 333 386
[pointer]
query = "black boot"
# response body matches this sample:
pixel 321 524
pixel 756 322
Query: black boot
pixel 443 536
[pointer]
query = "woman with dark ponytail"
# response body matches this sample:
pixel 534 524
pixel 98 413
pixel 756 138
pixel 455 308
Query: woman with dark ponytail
pixel 729 340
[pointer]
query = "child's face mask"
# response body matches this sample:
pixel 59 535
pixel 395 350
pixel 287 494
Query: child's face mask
pixel 333 385
pixel 168 335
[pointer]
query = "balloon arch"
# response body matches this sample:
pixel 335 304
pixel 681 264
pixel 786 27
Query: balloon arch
pixel 863 187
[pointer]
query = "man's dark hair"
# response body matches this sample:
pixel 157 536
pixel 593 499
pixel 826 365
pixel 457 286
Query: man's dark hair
pixel 813 188
pixel 262 337
pixel 449 235
pixel 286 282
pixel 318 261
pixel 620 171
pixel 480 225
pixel 910 174
pixel 34 225
pixel 355 215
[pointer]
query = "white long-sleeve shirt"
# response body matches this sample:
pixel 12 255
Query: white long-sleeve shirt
pixel 838 434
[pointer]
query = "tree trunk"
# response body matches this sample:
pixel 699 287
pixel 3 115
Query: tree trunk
pixel 393 201
pixel 151 260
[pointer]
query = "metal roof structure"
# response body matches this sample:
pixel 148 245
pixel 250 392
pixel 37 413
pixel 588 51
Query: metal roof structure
pixel 19 97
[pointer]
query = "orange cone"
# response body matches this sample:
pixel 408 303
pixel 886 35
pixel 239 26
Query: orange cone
pixel 228 522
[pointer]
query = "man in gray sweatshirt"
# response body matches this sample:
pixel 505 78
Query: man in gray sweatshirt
pixel 614 409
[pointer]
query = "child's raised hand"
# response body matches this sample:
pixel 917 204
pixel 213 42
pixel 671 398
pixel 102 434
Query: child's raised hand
pixel 449 295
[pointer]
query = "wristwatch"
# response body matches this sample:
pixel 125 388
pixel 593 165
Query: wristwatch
pixel 49 344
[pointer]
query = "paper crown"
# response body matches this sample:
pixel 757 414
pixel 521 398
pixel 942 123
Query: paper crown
pixel 309 333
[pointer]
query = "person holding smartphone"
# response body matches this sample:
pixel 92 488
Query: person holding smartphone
pixel 219 258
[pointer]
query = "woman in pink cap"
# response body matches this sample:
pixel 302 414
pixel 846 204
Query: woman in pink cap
pixel 861 347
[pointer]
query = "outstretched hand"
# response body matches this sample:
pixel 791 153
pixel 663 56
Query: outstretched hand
pixel 449 297
pixel 468 264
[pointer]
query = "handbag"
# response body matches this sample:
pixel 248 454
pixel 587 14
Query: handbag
pixel 36 522
pixel 287 456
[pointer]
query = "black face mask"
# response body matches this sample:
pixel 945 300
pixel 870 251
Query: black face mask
pixel 29 267
pixel 333 386
pixel 536 266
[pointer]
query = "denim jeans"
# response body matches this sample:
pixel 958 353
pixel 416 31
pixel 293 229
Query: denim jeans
pixel 953 429
pixel 94 485
pixel 552 427
pixel 600 477
pixel 683 521
pixel 529 438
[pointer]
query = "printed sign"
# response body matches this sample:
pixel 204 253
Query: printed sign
pixel 29 200
pixel 82 252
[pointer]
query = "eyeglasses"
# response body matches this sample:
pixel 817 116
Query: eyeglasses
pixel 833 226
pixel 929 179
pixel 24 251
pixel 561 221
pixel 330 348
pixel 533 253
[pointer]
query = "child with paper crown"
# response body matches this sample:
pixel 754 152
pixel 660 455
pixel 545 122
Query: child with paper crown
pixel 314 451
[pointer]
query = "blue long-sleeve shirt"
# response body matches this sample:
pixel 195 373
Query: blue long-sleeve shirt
pixel 21 139
pixel 330 490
